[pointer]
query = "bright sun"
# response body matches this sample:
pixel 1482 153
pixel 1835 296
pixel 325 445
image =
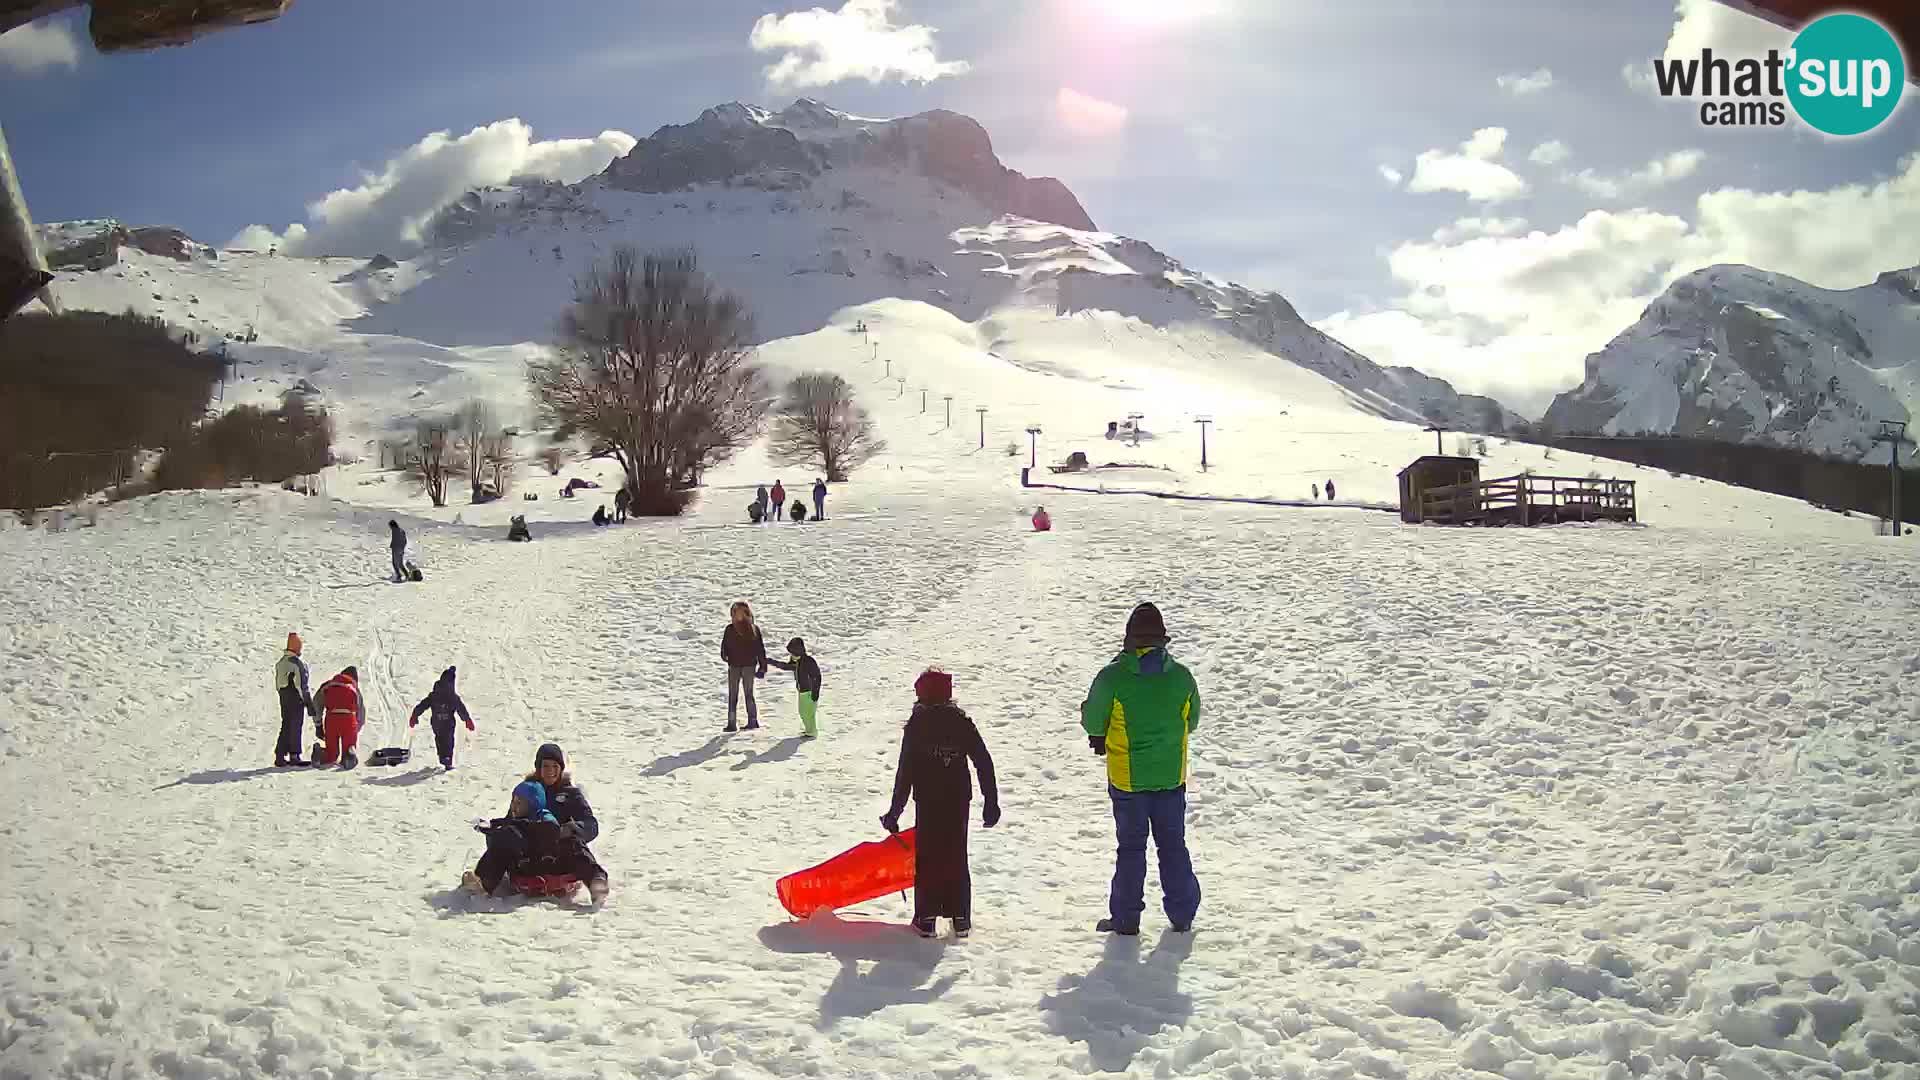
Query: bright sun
pixel 1150 12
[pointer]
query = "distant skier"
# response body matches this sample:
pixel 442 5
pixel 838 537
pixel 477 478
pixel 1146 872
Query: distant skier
pixel 296 704
pixel 1329 490
pixel 398 541
pixel 820 499
pixel 343 713
pixel 779 498
pixel 1041 522
pixel 745 654
pixel 806 683
pixel 934 751
pixel 1138 714
pixel 445 704
pixel 1316 493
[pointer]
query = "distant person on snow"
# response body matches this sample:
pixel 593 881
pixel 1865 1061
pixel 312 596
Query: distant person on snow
pixel 820 499
pixel 934 751
pixel 1329 490
pixel 343 712
pixel 779 497
pixel 296 703
pixel 1041 522
pixel 760 500
pixel 806 682
pixel 398 541
pixel 754 511
pixel 746 657
pixel 517 529
pixel 1316 493
pixel 600 515
pixel 1138 713
pixel 560 849
pixel 445 705
pixel 622 499
pixel 799 513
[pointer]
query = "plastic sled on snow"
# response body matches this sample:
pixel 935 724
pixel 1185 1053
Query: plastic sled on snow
pixel 856 875
pixel 390 755
pixel 545 884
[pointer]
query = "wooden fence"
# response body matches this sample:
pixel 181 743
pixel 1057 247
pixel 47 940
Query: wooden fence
pixel 1530 500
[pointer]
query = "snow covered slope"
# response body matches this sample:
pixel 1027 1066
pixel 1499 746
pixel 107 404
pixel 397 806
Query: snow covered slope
pixel 806 213
pixel 1731 352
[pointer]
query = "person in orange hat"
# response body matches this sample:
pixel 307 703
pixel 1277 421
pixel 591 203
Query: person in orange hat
pixel 296 703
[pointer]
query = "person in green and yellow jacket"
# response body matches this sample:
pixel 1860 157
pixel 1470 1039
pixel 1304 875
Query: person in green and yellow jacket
pixel 1138 714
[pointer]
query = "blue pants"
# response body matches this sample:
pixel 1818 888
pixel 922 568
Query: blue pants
pixel 819 507
pixel 1164 814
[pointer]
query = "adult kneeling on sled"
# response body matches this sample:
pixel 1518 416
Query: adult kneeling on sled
pixel 569 809
pixel 1139 712
pixel 934 751
pixel 445 705
pixel 343 712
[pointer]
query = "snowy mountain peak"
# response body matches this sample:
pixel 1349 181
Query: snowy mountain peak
pixel 1742 354
pixel 746 145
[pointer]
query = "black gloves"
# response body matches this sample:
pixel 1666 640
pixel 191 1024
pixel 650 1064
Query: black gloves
pixel 991 816
pixel 1099 744
pixel 891 821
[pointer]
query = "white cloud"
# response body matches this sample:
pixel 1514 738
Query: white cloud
pixel 1700 24
pixel 1472 171
pixel 1514 315
pixel 38 47
pixel 859 41
pixel 389 208
pixel 1523 85
pixel 1659 172
pixel 1462 228
pixel 1086 115
pixel 1391 175
pixel 1551 152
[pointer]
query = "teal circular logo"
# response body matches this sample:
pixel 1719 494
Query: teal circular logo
pixel 1846 74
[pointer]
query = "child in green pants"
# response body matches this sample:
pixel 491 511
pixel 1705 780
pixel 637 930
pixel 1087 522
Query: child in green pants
pixel 806 679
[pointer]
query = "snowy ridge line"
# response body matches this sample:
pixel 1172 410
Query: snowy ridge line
pixel 1343 504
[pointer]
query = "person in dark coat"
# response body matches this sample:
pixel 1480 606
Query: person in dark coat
pixel 746 657
pixel 398 541
pixel 445 705
pixel 600 515
pixel 799 512
pixel 1329 490
pixel 621 500
pixel 558 849
pixel 779 497
pixel 820 500
pixel 296 704
pixel 934 751
pixel 517 528
pixel 760 500
pixel 806 683
pixel 754 511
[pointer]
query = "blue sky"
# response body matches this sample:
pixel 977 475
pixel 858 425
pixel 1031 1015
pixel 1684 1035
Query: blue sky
pixel 1311 148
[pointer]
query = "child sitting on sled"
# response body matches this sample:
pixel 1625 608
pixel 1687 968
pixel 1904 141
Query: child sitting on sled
pixel 528 843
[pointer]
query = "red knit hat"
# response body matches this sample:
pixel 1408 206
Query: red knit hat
pixel 933 687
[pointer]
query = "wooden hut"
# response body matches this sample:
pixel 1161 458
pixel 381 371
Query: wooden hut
pixel 1428 473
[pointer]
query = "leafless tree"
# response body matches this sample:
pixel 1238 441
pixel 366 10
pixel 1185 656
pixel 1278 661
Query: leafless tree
pixel 818 423
pixel 473 427
pixel 433 457
pixel 656 364
pixel 496 451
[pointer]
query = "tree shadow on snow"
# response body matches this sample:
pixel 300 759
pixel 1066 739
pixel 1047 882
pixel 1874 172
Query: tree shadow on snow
pixel 224 776
pixel 1118 1006
pixel 899 962
pixel 779 751
pixel 674 762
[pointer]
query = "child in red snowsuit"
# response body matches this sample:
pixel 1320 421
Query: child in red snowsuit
pixel 342 714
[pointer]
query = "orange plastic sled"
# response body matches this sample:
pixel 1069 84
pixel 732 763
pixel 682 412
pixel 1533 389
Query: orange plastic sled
pixel 858 874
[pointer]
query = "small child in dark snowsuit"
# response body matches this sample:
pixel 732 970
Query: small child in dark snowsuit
pixel 528 841
pixel 445 705
pixel 806 681
pixel 934 751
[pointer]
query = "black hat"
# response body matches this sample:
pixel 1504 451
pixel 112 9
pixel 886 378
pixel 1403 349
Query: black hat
pixel 796 647
pixel 1145 627
pixel 549 752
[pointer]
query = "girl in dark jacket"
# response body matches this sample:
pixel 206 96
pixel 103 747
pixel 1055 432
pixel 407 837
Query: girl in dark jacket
pixel 939 741
pixel 746 657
